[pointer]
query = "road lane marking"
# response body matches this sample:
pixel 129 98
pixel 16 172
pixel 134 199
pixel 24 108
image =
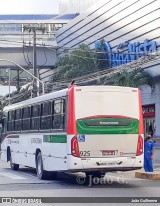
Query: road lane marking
pixel 12 176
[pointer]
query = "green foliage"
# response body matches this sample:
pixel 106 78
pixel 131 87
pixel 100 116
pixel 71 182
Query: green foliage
pixel 19 95
pixel 3 103
pixel 76 63
pixel 15 97
pixel 134 78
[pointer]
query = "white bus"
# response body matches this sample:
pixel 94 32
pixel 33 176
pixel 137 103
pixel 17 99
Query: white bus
pixel 92 129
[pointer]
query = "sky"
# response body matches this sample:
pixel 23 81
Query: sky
pixel 4 90
pixel 29 7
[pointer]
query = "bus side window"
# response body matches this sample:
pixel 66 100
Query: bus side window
pixel 17 120
pixel 35 117
pixel 26 118
pixel 45 121
pixel 3 129
pixel 58 114
pixel 10 122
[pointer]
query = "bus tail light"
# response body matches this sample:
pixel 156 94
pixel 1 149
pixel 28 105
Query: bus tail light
pixel 139 146
pixel 74 147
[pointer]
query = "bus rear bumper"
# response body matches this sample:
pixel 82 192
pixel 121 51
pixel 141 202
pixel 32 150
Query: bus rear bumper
pixel 106 164
pixel 105 170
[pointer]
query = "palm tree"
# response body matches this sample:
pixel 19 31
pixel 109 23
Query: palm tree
pixel 134 78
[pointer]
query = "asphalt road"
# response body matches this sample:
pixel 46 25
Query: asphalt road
pixel 24 183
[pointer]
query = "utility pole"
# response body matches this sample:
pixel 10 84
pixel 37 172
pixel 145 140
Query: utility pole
pixel 34 29
pixel 18 83
pixel 35 88
pixel 9 83
pixel 9 74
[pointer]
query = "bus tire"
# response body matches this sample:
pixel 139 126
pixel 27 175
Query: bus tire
pixel 91 177
pixel 13 165
pixel 41 173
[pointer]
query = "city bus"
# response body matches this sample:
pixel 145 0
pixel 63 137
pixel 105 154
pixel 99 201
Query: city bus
pixel 90 129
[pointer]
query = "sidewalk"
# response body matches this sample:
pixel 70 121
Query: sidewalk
pixel 148 175
pixel 141 174
pixel 155 175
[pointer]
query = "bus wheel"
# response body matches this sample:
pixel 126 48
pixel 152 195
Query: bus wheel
pixel 91 177
pixel 41 174
pixel 13 165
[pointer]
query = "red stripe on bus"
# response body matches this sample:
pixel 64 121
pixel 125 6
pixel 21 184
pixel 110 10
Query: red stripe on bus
pixel 9 136
pixel 71 123
pixel 150 114
pixel 141 128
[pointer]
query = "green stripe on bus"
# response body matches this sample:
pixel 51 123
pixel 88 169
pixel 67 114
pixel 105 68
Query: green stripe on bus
pixel 84 128
pixel 55 138
pixel 13 136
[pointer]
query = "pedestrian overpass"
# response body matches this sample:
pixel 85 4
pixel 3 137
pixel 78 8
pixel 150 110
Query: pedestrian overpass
pixel 16 44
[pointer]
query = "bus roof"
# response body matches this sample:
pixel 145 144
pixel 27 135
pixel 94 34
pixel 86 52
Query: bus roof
pixel 63 92
pixel 106 88
pixel 37 99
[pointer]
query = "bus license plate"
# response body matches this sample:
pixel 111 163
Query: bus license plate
pixel 109 152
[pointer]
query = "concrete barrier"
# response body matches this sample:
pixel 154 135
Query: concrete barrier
pixel 156 139
pixel 148 175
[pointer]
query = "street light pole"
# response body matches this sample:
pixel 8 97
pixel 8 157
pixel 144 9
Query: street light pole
pixel 9 74
pixel 9 82
pixel 6 60
pixel 34 63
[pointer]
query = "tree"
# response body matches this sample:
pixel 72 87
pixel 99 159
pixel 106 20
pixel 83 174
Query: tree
pixel 3 103
pixel 74 63
pixel 134 78
pixel 77 62
pixel 18 96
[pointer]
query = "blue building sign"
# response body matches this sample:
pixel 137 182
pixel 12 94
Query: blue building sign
pixel 126 52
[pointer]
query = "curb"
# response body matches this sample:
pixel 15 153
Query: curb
pixel 148 175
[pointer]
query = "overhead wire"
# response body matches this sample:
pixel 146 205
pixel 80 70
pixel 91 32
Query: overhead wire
pixel 62 48
pixel 46 59
pixel 43 48
pixel 97 52
pixel 47 45
pixel 80 56
pixel 77 49
pixel 106 72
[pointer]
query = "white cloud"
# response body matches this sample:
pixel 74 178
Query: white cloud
pixel 29 7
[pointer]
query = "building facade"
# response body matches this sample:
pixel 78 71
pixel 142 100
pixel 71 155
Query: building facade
pixel 16 44
pixel 79 6
pixel 129 28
